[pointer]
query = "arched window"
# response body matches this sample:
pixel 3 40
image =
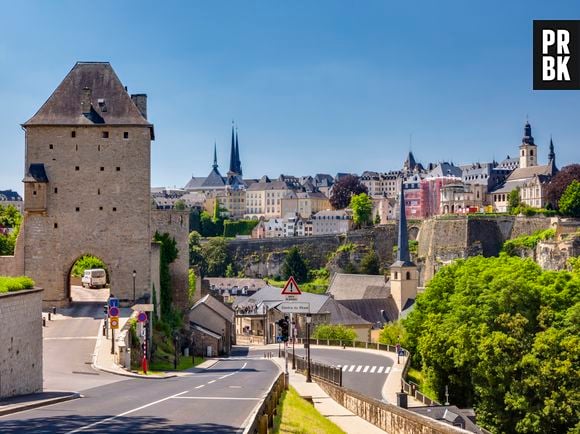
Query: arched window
pixel 396 275
pixel 531 152
pixel 522 152
pixel 408 275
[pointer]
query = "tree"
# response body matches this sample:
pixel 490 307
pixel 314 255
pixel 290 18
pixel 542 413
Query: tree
pixel 230 272
pixel 569 203
pixel 335 332
pixel 560 182
pixel 362 209
pixel 343 189
pixel 377 219
pixel 196 258
pixel 513 200
pixel 168 254
pixel 216 257
pixel 86 262
pixel 370 263
pixel 11 219
pixel 179 205
pixel 294 266
pixel 393 333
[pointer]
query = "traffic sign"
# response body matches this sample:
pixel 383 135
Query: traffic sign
pixel 113 311
pixel 114 321
pixel 291 287
pixel 294 307
pixel 141 317
pixel 113 302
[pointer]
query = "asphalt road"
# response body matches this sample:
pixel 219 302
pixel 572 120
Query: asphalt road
pixel 363 372
pixel 216 400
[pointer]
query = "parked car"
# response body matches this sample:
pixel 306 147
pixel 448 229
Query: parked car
pixel 95 278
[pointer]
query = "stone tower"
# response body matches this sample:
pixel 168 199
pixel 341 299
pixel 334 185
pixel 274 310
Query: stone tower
pixel 87 184
pixel 404 274
pixel 528 149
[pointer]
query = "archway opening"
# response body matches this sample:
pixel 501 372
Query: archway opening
pixel 88 280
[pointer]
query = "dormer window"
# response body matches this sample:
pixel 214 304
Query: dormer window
pixel 102 104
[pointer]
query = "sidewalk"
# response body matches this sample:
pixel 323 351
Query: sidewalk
pixel 345 419
pixel 35 400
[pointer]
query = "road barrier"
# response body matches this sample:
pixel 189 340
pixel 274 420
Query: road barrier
pixel 409 388
pixel 262 420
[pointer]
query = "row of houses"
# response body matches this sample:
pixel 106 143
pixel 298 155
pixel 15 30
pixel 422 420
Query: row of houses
pixel 294 225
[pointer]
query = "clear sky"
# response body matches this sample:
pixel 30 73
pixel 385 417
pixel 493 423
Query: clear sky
pixel 314 86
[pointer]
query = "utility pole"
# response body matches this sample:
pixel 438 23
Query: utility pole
pixel 308 374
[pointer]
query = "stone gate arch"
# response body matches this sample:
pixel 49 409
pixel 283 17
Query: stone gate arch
pixel 67 283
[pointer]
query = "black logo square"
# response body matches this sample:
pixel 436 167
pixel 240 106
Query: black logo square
pixel 556 55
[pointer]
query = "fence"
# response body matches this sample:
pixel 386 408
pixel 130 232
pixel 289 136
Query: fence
pixel 328 373
pixel 263 418
pixel 409 388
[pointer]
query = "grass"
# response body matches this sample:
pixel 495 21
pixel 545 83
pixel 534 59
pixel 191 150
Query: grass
pixel 418 378
pixel 13 284
pixel 296 415
pixel 183 363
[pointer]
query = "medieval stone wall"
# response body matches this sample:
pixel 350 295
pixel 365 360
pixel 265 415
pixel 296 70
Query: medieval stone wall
pixel 98 202
pixel 21 338
pixel 176 224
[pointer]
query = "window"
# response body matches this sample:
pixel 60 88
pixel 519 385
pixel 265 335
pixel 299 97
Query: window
pixel 114 209
pixel 126 135
pixel 51 146
pixel 100 208
pixel 76 147
pixel 531 152
pixel 55 190
pixel 99 148
pixel 77 209
pixel 73 134
pixel 396 275
pixel 408 275
pixel 34 193
pixel 98 191
pixel 77 168
pixel 56 225
pixel 102 169
pixel 118 169
pixel 105 135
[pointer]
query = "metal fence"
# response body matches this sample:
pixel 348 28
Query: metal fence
pixel 332 374
pixel 409 388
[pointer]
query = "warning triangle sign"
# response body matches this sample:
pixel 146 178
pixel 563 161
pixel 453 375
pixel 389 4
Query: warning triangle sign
pixel 291 287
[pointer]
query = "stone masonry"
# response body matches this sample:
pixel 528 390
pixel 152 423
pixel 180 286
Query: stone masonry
pixel 21 338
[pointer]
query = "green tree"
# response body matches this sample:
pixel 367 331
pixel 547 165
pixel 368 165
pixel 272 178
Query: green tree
pixel 377 219
pixel 569 203
pixel 196 257
pixel 294 266
pixel 230 272
pixel 334 332
pixel 11 219
pixel 168 254
pixel 179 205
pixel 86 262
pixel 362 208
pixel 393 333
pixel 560 182
pixel 191 289
pixel 216 257
pixel 513 200
pixel 370 263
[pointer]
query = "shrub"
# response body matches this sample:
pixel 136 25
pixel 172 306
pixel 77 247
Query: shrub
pixel 334 332
pixel 511 247
pixel 86 262
pixel 239 227
pixel 13 284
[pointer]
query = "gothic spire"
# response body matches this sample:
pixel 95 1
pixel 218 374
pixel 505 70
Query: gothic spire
pixel 403 257
pixel 552 154
pixel 528 134
pixel 233 153
pixel 215 163
pixel 238 161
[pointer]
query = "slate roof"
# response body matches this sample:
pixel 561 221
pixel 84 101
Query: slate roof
pixel 358 286
pixel 272 185
pixel 217 306
pixel 340 314
pixel 374 310
pixel 36 173
pixel 194 183
pixel 445 169
pixel 10 195
pixel 450 415
pixel 63 107
pixel 208 332
pixel 236 282
pixel 214 179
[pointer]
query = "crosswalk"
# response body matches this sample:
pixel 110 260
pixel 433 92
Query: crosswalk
pixel 365 369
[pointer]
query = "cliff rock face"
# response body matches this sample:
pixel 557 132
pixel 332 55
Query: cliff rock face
pixel 554 255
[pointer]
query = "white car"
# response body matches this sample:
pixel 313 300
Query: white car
pixel 95 278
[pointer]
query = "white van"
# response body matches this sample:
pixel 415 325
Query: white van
pixel 95 278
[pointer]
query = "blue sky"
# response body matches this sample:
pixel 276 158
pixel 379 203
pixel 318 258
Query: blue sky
pixel 315 86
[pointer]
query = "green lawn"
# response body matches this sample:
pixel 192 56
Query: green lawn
pixel 184 363
pixel 296 415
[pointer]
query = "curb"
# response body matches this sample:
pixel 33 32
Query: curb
pixel 207 364
pixel 41 403
pixel 131 374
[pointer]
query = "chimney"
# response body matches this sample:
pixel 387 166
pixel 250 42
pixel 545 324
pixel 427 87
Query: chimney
pixel 86 100
pixel 140 100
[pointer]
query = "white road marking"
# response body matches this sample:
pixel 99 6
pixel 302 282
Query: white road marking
pixel 226 376
pixel 366 369
pixel 125 413
pixel 217 397
pixel 387 369
pixel 380 369
pixel 373 369
pixel 199 387
pixel 352 368
pixel 212 381
pixel 358 368
pixel 344 368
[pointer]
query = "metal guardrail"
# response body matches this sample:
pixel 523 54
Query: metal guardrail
pixel 332 374
pixel 410 389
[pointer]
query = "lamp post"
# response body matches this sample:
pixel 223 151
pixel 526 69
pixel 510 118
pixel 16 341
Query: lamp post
pixel 134 276
pixel 176 343
pixel 308 321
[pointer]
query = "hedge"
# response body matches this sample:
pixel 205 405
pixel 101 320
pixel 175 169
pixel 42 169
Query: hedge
pixel 12 284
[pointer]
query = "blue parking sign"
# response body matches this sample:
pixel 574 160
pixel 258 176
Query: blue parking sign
pixel 113 302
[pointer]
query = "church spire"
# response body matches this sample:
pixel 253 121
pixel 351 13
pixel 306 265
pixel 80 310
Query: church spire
pixel 403 238
pixel 552 154
pixel 233 153
pixel 238 161
pixel 215 163
pixel 528 134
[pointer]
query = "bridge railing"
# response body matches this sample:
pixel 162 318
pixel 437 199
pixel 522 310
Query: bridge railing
pixel 332 374
pixel 408 388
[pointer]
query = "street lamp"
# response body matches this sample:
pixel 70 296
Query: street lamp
pixel 134 276
pixel 176 343
pixel 292 324
pixel 308 321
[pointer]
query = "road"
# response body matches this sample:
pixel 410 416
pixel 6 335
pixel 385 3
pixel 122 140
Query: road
pixel 216 400
pixel 363 372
